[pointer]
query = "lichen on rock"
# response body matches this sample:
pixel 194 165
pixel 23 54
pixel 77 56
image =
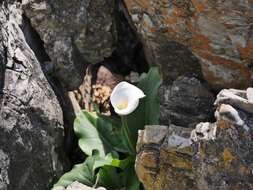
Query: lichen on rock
pixel 211 156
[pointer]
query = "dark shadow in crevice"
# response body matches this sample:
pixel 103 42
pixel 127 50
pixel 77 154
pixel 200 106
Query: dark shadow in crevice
pixel 128 55
pixel 37 45
pixel 3 61
pixel 34 41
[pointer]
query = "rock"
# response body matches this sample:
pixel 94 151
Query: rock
pixel 31 119
pixel 182 36
pixel 78 186
pixel 250 95
pixel 235 98
pixel 211 156
pixel 186 102
pixel 133 77
pixel 74 33
pixel 106 77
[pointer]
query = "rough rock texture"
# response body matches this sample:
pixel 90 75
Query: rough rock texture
pixel 222 40
pixel 186 102
pixel 74 33
pixel 78 186
pixel 31 119
pixel 210 157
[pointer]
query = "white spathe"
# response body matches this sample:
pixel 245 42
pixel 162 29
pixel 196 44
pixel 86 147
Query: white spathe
pixel 125 98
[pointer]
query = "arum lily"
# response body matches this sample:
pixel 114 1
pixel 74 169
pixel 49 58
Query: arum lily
pixel 125 99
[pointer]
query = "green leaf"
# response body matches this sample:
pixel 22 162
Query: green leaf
pixel 132 181
pixel 87 134
pixel 148 110
pixel 109 177
pixel 109 160
pixel 83 173
pixel 98 132
pixel 110 132
pixel 112 179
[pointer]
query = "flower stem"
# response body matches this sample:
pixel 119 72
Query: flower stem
pixel 127 135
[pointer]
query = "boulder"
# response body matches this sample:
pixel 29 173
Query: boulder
pixel 74 33
pixel 198 37
pixel 31 119
pixel 186 102
pixel 212 156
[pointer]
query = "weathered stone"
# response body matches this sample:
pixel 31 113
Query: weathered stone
pixel 74 33
pixel 186 102
pixel 210 157
pixel 31 119
pixel 78 186
pixel 106 77
pixel 235 98
pixel 250 95
pixel 222 41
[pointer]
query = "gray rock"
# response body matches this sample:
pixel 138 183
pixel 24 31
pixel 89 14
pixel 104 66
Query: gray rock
pixel 78 186
pixel 250 95
pixel 75 33
pixel 31 119
pixel 235 98
pixel 186 102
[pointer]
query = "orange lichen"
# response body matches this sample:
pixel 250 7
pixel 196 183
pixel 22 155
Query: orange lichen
pixel 223 124
pixel 244 170
pixel 182 164
pixel 247 52
pixel 250 1
pixel 170 20
pixel 148 159
pixel 199 6
pixel 228 157
pixel 217 60
pixel 179 12
pixel 217 80
pixel 129 4
pixel 190 26
pixel 200 41
pixel 145 4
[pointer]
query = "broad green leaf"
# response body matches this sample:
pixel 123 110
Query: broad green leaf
pixel 109 177
pixel 83 173
pixel 109 160
pixel 148 110
pixel 109 129
pixel 98 132
pixel 87 134
pixel 132 181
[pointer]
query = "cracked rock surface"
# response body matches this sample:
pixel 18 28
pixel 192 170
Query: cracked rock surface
pixel 31 119
pixel 75 33
pixel 212 156
pixel 188 36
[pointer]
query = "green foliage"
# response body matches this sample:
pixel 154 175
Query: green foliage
pixel 148 110
pixel 83 173
pixel 88 136
pixel 102 139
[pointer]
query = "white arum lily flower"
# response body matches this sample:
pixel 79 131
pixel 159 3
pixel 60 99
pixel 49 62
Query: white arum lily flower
pixel 125 98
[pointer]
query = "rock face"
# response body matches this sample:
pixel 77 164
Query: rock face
pixel 75 33
pixel 212 156
pixel 186 102
pixel 175 33
pixel 31 119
